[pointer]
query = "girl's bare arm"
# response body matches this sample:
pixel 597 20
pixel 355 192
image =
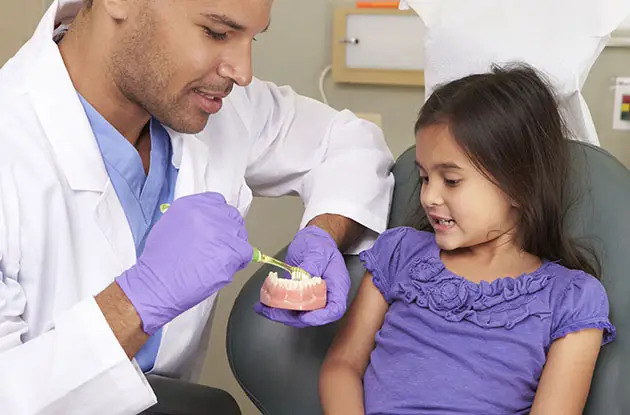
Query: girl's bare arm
pixel 341 377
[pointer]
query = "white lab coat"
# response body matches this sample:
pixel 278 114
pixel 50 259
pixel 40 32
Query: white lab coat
pixel 64 236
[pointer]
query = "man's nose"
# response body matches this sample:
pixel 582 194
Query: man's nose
pixel 237 65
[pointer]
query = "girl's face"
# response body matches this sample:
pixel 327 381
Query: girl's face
pixel 463 206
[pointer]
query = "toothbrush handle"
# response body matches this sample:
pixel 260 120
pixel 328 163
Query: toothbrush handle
pixel 260 257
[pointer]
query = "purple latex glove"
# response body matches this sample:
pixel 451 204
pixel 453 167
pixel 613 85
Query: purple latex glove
pixel 315 251
pixel 192 251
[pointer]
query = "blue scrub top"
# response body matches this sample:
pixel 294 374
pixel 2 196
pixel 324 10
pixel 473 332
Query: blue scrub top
pixel 140 195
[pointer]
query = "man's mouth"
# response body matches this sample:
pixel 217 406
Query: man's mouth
pixel 211 95
pixel 210 102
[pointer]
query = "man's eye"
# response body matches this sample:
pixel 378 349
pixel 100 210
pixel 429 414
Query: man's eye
pixel 215 35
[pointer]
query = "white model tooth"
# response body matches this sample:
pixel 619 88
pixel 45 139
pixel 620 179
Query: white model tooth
pixel 273 278
pixel 299 275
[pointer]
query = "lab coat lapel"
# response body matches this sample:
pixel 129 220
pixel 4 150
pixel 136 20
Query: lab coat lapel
pixel 190 156
pixel 69 132
pixel 204 167
pixel 111 219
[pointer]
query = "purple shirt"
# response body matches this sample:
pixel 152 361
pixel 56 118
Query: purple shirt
pixel 452 346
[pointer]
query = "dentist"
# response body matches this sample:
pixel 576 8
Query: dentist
pixel 113 108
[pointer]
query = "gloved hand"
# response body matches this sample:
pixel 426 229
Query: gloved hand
pixel 315 251
pixel 191 252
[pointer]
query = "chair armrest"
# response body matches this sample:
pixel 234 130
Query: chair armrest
pixel 178 397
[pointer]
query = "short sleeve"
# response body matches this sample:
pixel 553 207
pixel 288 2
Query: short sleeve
pixel 392 250
pixel 583 304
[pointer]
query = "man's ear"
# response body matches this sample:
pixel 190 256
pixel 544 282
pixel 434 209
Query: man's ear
pixel 117 9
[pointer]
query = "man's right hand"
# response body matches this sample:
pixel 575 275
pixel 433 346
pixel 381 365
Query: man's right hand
pixel 192 251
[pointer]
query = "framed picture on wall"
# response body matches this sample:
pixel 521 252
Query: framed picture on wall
pixel 377 46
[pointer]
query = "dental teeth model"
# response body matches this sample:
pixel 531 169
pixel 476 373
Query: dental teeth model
pixel 298 293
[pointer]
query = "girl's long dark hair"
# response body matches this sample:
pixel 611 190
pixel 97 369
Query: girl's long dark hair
pixel 508 123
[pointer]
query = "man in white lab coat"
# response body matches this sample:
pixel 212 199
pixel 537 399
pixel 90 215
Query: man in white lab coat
pixel 118 107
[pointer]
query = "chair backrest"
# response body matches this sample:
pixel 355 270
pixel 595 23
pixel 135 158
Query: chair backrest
pixel 278 366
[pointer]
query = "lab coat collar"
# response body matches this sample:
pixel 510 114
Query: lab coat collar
pixel 59 109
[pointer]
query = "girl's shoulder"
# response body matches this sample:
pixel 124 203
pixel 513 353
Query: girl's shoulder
pixel 405 237
pixel 394 252
pixel 565 280
pixel 403 244
pixel 578 301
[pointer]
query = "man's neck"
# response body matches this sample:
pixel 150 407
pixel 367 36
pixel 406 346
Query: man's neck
pixel 87 64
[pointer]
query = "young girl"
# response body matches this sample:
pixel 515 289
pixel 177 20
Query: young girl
pixel 494 311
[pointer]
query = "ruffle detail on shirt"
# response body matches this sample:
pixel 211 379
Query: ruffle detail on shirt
pixel 504 302
pixel 609 330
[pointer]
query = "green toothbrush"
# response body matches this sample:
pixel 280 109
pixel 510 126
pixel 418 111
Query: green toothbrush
pixel 296 273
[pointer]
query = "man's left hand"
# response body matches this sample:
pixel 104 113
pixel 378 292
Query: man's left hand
pixel 315 251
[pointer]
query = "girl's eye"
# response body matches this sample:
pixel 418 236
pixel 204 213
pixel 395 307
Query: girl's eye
pixel 424 179
pixel 451 183
pixel 215 35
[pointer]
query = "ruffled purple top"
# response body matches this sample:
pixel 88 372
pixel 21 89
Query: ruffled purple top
pixel 452 346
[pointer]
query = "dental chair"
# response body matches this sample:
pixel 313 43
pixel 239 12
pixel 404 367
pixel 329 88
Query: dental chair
pixel 177 397
pixel 278 366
